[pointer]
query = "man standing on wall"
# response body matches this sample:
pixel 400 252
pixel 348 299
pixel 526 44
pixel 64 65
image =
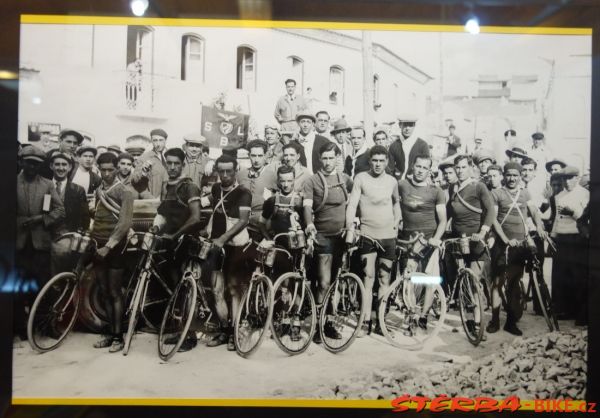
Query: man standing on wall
pixel 289 106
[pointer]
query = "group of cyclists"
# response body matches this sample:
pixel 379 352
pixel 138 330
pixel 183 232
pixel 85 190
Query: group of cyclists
pixel 327 198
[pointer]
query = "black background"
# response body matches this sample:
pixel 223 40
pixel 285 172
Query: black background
pixel 553 13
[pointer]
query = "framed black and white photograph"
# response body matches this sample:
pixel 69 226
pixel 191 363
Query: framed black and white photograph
pixel 293 213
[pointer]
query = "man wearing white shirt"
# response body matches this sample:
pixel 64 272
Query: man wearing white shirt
pixel 404 151
pixel 83 174
pixel 311 142
pixel 569 269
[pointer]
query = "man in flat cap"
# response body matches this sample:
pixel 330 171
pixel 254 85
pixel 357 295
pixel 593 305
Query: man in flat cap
pixel 404 151
pixel 115 149
pixel 539 151
pixel 289 106
pixel 340 135
pixel 77 211
pixel 483 158
pixel 135 151
pixel 68 141
pixel 569 270
pixel 453 141
pixel 83 173
pixel 196 163
pixel 310 141
pixel 513 206
pixel 150 169
pixel 39 211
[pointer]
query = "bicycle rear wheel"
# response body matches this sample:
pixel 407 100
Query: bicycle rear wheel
pixel 254 316
pixel 404 317
pixel 177 318
pixel 54 312
pixel 543 295
pixel 133 311
pixel 294 313
pixel 342 312
pixel 470 302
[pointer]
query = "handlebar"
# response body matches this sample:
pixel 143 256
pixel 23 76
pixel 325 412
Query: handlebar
pixel 276 248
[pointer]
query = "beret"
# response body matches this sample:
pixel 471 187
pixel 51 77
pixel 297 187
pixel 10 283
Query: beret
pixel 159 132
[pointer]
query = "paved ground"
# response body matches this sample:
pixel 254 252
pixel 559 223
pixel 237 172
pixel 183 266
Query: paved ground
pixel 75 369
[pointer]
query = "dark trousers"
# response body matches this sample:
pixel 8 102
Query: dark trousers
pixel 570 276
pixel 32 265
pixel 509 274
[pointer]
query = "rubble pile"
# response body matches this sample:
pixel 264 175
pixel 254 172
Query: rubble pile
pixel 548 366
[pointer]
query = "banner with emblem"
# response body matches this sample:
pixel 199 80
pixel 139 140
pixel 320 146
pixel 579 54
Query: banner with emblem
pixel 222 128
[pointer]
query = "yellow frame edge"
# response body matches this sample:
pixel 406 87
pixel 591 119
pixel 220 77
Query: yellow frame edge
pixel 526 405
pixel 113 20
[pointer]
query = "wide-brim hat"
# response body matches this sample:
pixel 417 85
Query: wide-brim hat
pixel 569 171
pixel 537 135
pixel 518 152
pixel 554 161
pixel 304 115
pixel 340 125
pixel 73 132
pixel 87 148
pixel 135 150
pixel 115 148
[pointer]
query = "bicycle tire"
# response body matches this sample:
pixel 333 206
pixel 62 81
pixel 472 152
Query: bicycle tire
pixel 134 311
pixel 254 316
pixel 59 297
pixel 470 298
pixel 400 308
pixel 282 321
pixel 543 295
pixel 352 303
pixel 177 326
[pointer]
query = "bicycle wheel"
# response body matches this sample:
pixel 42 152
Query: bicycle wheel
pixel 54 312
pixel 411 313
pixel 543 295
pixel 470 302
pixel 342 312
pixel 253 316
pixel 177 318
pixel 294 313
pixel 133 311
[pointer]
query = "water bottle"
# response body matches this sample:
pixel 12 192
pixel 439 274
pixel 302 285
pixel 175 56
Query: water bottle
pixel 85 243
pixel 75 239
pixel 147 242
pixel 465 246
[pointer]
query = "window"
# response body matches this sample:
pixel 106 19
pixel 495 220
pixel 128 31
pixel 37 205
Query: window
pixel 296 72
pixel 336 85
pixel 192 58
pixel 139 63
pixel 246 68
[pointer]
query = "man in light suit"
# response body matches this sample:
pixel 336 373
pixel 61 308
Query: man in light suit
pixel 39 210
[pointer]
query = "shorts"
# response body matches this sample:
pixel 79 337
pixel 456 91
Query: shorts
pixel 115 259
pixel 388 244
pixel 236 263
pixel 329 244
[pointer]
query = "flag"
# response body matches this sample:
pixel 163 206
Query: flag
pixel 222 128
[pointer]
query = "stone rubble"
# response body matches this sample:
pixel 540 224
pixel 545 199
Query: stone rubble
pixel 550 366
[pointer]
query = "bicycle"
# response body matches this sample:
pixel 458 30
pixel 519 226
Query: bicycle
pixel 256 306
pixel 189 299
pixel 294 315
pixel 468 289
pixel 343 307
pixel 537 282
pixel 145 274
pixel 413 309
pixel 56 307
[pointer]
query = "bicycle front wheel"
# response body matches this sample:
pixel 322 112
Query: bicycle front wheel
pixel 54 312
pixel 133 310
pixel 543 295
pixel 470 302
pixel 294 313
pixel 342 312
pixel 412 313
pixel 253 316
pixel 177 318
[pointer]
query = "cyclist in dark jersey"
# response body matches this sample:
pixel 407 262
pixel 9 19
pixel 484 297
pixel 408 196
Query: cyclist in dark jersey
pixel 513 205
pixel 178 214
